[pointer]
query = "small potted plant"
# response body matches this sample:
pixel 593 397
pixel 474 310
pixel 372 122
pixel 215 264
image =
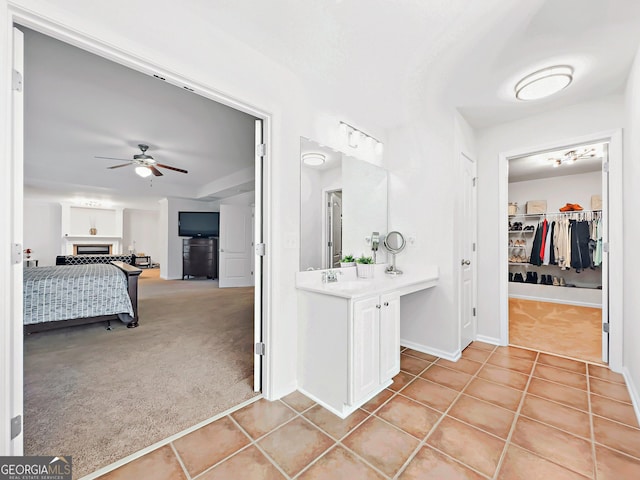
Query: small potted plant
pixel 364 266
pixel 347 261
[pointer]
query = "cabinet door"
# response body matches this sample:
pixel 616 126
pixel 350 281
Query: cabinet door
pixel 365 349
pixel 389 336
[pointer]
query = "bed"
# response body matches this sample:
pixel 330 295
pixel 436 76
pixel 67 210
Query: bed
pixel 66 295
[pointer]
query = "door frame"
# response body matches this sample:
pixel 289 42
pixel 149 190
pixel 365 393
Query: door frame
pixel 326 261
pixel 614 208
pixel 11 213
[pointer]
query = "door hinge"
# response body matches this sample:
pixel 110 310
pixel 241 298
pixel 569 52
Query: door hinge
pixel 260 348
pixel 475 181
pixel 261 149
pixel 474 311
pixel 605 327
pixel 16 426
pixel 605 247
pixel 16 253
pixel 261 249
pixel 16 81
pixel 474 246
pixel 605 167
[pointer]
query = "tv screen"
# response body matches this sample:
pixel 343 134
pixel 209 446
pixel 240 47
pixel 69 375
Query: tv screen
pixel 198 224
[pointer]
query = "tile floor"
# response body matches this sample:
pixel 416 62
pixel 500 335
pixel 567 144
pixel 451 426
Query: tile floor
pixel 498 413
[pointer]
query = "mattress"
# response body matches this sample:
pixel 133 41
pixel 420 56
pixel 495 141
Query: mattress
pixel 74 291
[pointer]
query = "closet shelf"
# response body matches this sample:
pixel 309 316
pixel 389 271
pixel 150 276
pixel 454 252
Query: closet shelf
pixel 527 215
pixel 521 231
pixel 531 215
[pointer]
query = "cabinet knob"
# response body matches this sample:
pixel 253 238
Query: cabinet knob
pixel 386 304
pixel 378 306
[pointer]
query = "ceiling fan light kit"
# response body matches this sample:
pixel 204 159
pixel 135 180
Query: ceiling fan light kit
pixel 145 164
pixel 144 172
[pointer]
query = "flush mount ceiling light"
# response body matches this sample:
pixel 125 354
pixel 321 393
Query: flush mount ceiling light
pixel 570 157
pixel 144 172
pixel 544 83
pixel 313 159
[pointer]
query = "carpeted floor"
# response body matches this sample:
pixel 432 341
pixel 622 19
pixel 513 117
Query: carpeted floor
pixel 567 330
pixel 100 395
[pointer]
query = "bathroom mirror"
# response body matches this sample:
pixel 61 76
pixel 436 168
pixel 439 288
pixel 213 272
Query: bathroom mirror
pixel 342 200
pixel 394 242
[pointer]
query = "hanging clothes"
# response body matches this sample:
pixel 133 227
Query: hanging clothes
pixel 543 243
pixel 562 244
pixel 552 250
pixel 535 249
pixel 597 255
pixel 580 258
pixel 547 246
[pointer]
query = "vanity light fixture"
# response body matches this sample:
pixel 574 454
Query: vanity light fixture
pixel 313 159
pixel 355 137
pixel 544 83
pixel 144 172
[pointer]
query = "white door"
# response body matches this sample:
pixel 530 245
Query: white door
pixel 258 256
pixel 389 336
pixel 467 251
pixel 365 356
pixel 235 244
pixel 605 256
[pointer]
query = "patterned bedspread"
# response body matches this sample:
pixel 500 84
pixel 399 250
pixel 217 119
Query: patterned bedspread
pixel 74 291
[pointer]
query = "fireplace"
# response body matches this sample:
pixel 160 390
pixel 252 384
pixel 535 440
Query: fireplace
pixel 79 249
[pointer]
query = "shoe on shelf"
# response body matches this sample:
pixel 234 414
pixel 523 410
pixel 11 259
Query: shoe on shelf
pixel 535 277
pixel 576 207
pixel 518 278
pixel 562 282
pixel 511 243
pixel 510 277
pixel 556 282
pixel 567 208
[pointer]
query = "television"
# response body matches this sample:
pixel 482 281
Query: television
pixel 198 224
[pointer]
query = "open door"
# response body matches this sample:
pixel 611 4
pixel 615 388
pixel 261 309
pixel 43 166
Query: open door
pixel 604 224
pixel 258 258
pixel 235 246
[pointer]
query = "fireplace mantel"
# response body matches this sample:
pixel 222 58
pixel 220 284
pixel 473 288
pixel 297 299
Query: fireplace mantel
pixel 78 220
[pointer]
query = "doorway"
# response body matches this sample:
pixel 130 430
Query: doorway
pixel 608 170
pixel 262 231
pixel 333 211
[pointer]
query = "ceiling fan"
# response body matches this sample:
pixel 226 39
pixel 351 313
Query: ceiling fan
pixel 145 164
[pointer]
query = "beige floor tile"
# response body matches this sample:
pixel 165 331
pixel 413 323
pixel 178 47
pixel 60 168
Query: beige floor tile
pixel 421 355
pixel 483 415
pixel 430 394
pixel 384 446
pixel 412 365
pixel 482 346
pixel 493 393
pixel 332 424
pixel 400 381
pixel 375 403
pixel 446 377
pixel 561 376
pixel 571 397
pixel 517 352
pixel 519 464
pixel 262 416
pixel 430 464
pixel 475 354
pixel 560 362
pixel 503 376
pixel 295 445
pixel 463 365
pixel 208 445
pixel 613 390
pixel 614 410
pixel 410 416
pixel 298 401
pixel 617 436
pixel 615 466
pixel 249 463
pixel 559 447
pixel 340 464
pixel 520 365
pixel 559 416
pixel 604 373
pixel 161 464
pixel 479 450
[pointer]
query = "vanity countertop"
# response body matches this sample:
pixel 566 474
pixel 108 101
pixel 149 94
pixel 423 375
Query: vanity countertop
pixel 349 286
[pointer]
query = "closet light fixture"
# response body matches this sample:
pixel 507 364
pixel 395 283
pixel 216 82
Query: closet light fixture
pixel 544 83
pixel 356 137
pixel 572 156
pixel 144 172
pixel 313 159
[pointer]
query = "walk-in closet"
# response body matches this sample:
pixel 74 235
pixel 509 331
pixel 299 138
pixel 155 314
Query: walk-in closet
pixel 555 244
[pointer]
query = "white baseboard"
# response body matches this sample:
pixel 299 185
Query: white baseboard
pixel 451 356
pixel 556 300
pixel 490 340
pixel 347 410
pixel 633 391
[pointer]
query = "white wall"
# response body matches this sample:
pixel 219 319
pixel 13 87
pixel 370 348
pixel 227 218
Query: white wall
pixel 631 309
pixel 554 126
pixel 43 230
pixel 141 227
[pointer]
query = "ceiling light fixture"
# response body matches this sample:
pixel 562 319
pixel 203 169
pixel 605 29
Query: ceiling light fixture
pixel 313 159
pixel 544 83
pixel 570 157
pixel 355 136
pixel 144 172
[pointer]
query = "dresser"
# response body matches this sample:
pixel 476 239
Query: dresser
pixel 200 257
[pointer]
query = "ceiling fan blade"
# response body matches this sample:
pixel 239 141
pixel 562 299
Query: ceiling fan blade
pixel 155 171
pixel 171 168
pixel 113 158
pixel 119 166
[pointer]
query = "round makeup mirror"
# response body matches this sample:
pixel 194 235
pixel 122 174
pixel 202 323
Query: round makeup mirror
pixel 394 242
